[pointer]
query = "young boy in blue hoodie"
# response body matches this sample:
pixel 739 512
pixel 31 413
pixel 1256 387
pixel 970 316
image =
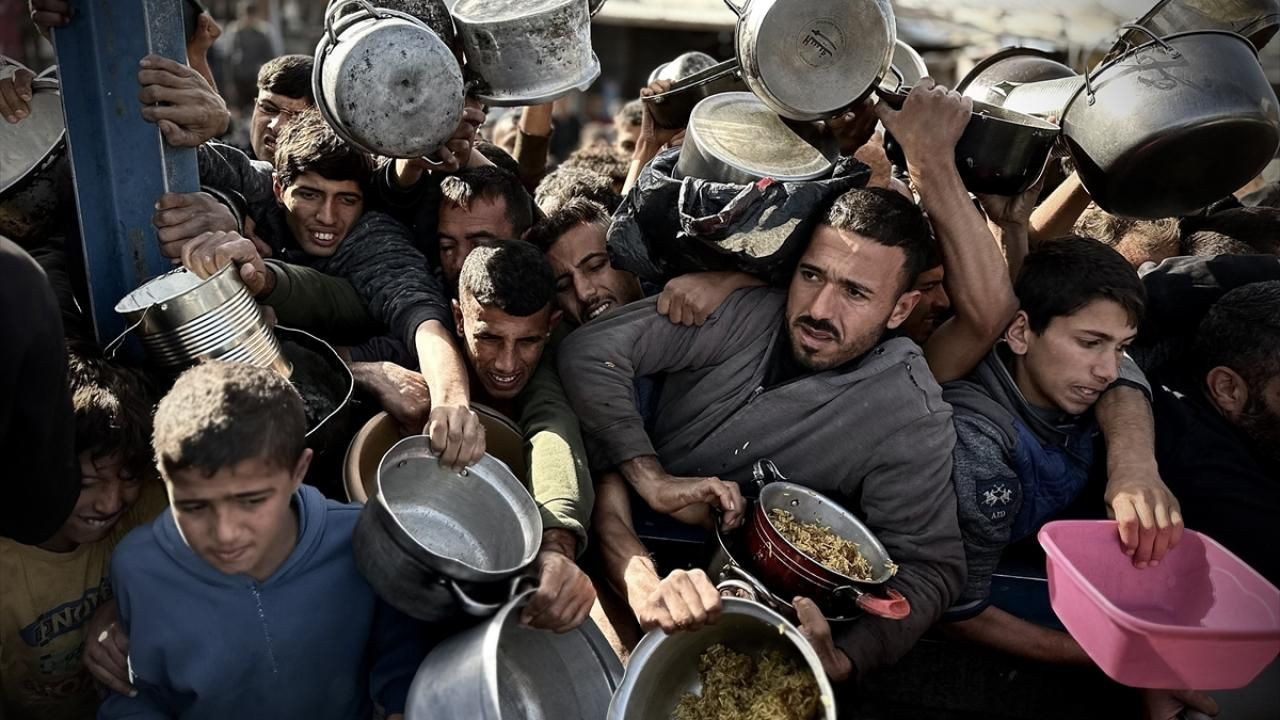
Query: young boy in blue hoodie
pixel 1025 432
pixel 244 600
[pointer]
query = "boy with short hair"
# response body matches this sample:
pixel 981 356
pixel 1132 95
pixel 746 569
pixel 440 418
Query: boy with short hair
pixel 244 600
pixel 52 589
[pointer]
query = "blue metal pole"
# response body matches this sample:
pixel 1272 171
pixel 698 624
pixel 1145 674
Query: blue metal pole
pixel 120 162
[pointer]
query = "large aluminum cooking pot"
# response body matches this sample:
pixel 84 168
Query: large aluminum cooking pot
pixel 385 82
pixel 34 172
pixel 501 670
pixel 812 59
pixel 683 66
pixel 908 68
pixel 664 667
pixel 672 108
pixel 1170 126
pixel 734 137
pixel 998 75
pixel 1257 20
pixel 526 52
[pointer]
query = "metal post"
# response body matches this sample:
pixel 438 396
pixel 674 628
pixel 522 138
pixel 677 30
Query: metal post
pixel 120 162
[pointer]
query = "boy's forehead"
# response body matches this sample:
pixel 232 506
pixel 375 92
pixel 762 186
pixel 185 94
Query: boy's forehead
pixel 249 476
pixel 318 182
pixel 1101 317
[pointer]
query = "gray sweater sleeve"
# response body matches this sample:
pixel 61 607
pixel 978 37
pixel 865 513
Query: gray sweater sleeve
pixel 380 261
pixel 227 168
pixel 605 357
pixel 988 497
pixel 908 502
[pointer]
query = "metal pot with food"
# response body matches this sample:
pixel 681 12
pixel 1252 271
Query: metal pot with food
pixel 526 52
pixel 751 652
pixel 436 543
pixel 813 59
pixel 502 670
pixel 1170 126
pixel 734 137
pixel 385 82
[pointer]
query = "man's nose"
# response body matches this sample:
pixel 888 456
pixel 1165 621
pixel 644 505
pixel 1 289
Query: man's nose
pixel 823 305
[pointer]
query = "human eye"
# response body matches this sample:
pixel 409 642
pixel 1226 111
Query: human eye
pixel 268 109
pixel 853 292
pixel 598 264
pixel 350 201
pixel 808 275
pixel 191 508
pixel 1089 343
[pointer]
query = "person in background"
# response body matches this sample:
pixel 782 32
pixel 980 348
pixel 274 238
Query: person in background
pixel 51 589
pixel 218 595
pixel 564 185
pixel 478 206
pixel 251 41
pixel 1218 425
pixel 1139 241
pixel 626 127
pixel 283 93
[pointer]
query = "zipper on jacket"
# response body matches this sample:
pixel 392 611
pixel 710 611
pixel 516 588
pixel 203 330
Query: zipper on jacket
pixel 266 631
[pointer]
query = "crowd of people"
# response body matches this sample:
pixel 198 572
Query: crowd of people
pixel 956 371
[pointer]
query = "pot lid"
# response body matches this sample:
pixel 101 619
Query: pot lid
pixel 738 129
pixel 161 289
pixel 910 67
pixel 816 57
pixel 25 144
pixel 494 10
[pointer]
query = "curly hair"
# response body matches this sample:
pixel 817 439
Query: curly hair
pixel 510 275
pixel 308 144
pixel 112 408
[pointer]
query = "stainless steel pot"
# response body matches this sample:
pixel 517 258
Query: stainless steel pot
pixel 501 670
pixel 1173 125
pixel 993 80
pixel 908 68
pixel 526 52
pixel 672 108
pixel 34 173
pixel 1256 20
pixel 385 82
pixel 683 66
pixel 664 667
pixel 735 138
pixel 812 59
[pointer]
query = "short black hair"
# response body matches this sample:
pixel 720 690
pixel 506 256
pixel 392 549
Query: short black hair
pixel 220 414
pixel 491 183
pixel 1207 243
pixel 112 406
pixel 565 184
pixel 891 220
pixel 510 275
pixel 499 157
pixel 288 75
pixel 602 160
pixel 1242 332
pixel 1255 227
pixel 308 144
pixel 578 211
pixel 632 113
pixel 1065 274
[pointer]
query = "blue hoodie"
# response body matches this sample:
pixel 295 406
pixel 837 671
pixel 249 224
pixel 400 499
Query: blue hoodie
pixel 313 641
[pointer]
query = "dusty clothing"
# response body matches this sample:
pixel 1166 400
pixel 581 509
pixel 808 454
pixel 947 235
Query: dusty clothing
pixel 45 601
pixel 874 434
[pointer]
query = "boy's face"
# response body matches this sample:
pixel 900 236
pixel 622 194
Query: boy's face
pixel 1075 359
pixel 107 490
pixel 239 519
pixel 320 212
pixel 503 349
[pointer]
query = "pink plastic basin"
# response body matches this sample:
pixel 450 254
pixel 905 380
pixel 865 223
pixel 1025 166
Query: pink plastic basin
pixel 1201 620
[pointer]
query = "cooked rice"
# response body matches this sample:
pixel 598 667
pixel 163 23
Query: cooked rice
pixel 771 686
pixel 823 546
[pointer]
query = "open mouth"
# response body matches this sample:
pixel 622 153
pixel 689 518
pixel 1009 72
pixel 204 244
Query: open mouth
pixel 228 557
pixel 504 382
pixel 99 522
pixel 599 310
pixel 1088 394
pixel 324 239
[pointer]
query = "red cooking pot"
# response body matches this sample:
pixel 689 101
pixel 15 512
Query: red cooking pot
pixel 788 572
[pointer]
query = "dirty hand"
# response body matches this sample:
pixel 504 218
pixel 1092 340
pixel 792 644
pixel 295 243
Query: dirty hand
pixel 815 628
pixel 106 650
pixel 449 158
pixel 456 435
pixel 854 128
pixel 930 122
pixel 684 497
pixel 872 155
pixel 1171 704
pixel 401 392
pixel 1147 514
pixel 182 217
pixel 652 137
pixel 177 99
pixel 47 14
pixel 212 251
pixel 1012 211
pixel 690 299
pixel 684 600
pixel 15 95
pixel 565 595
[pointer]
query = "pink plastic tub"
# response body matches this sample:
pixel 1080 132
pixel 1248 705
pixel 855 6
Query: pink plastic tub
pixel 1201 620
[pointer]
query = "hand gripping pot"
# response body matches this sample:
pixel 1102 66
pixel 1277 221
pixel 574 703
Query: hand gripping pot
pixel 527 52
pixel 664 667
pixel 385 82
pixel 435 543
pixel 33 171
pixel 812 59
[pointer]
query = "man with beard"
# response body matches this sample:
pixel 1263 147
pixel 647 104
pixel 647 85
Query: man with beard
pixel 1218 426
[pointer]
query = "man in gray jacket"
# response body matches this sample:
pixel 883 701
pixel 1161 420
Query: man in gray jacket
pixel 802 378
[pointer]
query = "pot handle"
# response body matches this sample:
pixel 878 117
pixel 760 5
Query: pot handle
pixel 894 607
pixel 1172 51
pixel 739 577
pixel 334 10
pixel 737 588
pixel 475 608
pixel 765 472
pixel 739 9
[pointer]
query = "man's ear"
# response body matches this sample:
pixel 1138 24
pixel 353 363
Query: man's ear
pixel 277 187
pixel 1227 391
pixel 1018 336
pixel 556 314
pixel 300 469
pixel 902 309
pixel 457 317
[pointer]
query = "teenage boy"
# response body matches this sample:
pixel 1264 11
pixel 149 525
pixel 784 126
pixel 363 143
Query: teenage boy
pixel 50 590
pixel 219 595
pixel 1025 427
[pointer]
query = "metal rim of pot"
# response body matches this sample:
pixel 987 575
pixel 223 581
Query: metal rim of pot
pixel 42 83
pixel 475 655
pixel 334 25
pixel 1001 56
pixel 1258 32
pixel 699 159
pixel 751 16
pixel 671 109
pixel 918 65
pixel 332 355
pixel 487 469
pixel 767 623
